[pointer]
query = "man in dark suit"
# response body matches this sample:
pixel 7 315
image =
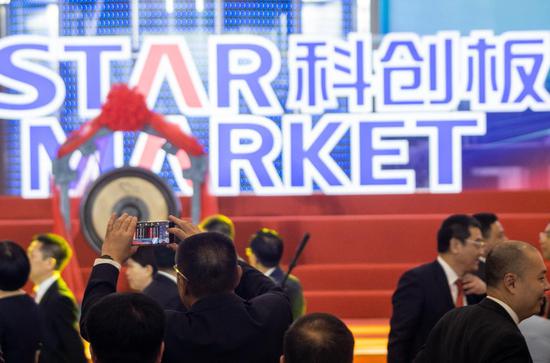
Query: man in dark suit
pixel 220 326
pixel 264 253
pixel 164 287
pixel 49 254
pixel 425 293
pixel 488 332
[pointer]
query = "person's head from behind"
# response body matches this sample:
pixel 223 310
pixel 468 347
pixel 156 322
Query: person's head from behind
pixel 140 268
pixel 516 274
pixel 218 223
pixel 165 259
pixel 206 265
pixel 126 328
pixel 14 266
pixel 265 249
pixel 460 242
pixel 318 338
pixel 491 230
pixel 48 253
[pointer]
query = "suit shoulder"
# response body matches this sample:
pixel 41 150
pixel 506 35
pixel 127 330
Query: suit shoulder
pixel 422 271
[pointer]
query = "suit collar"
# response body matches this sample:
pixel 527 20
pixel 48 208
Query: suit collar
pixel 495 307
pixel 277 274
pixel 441 283
pixel 450 274
pixel 501 307
pixel 161 275
pixel 44 287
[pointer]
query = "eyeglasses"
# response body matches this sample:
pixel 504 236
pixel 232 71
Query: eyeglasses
pixel 175 267
pixel 478 244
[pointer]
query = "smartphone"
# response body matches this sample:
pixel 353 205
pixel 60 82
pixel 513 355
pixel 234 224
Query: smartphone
pixel 152 233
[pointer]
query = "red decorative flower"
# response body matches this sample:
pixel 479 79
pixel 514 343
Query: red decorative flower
pixel 125 109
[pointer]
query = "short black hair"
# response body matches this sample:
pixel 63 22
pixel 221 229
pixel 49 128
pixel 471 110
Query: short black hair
pixel 218 223
pixel 55 246
pixel 125 328
pixel 504 258
pixel 486 220
pixel 267 246
pixel 145 256
pixel 14 266
pixel 209 262
pixel 165 257
pixel 455 226
pixel 318 338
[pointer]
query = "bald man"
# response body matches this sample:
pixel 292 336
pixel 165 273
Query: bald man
pixel 516 283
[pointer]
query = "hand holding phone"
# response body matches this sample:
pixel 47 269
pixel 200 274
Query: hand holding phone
pixel 152 233
pixel 182 229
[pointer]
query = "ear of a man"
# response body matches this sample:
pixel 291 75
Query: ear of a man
pixel 282 359
pixel 454 246
pixel 510 282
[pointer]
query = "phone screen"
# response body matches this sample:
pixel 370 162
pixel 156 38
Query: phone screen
pixel 152 233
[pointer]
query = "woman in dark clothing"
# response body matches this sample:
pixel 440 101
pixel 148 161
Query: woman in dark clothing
pixel 19 320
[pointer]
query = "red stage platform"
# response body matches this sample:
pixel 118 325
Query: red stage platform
pixel 359 245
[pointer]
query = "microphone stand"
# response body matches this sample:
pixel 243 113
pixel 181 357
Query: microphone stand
pixel 297 255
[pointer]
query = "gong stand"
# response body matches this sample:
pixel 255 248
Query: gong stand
pixel 125 110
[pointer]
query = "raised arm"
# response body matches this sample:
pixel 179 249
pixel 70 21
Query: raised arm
pixel 116 249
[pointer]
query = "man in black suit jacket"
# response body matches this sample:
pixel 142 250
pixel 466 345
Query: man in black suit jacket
pixel 49 254
pixel 425 293
pixel 164 287
pixel 220 326
pixel 265 253
pixel 488 332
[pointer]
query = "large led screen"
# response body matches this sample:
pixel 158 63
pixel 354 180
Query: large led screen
pixel 287 97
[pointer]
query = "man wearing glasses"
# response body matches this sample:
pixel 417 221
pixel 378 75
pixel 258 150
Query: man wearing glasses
pixel 425 293
pixel 234 312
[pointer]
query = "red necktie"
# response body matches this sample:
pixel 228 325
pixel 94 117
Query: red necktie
pixel 460 296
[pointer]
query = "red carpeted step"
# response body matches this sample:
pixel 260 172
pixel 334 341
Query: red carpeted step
pixel 418 203
pixel 372 238
pixel 351 276
pixel 351 304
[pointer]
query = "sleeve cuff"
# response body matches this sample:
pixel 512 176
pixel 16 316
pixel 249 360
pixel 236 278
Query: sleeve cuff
pixel 99 261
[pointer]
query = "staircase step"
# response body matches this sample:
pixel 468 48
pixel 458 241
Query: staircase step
pixel 356 239
pixel 351 304
pixel 350 276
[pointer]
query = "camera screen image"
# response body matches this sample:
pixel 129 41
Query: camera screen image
pixel 152 233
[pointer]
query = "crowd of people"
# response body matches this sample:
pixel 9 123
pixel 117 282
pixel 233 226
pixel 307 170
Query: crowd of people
pixel 197 301
pixel 481 300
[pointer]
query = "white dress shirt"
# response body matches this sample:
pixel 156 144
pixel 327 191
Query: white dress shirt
pixel 44 286
pixel 166 274
pixel 451 279
pixel 269 272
